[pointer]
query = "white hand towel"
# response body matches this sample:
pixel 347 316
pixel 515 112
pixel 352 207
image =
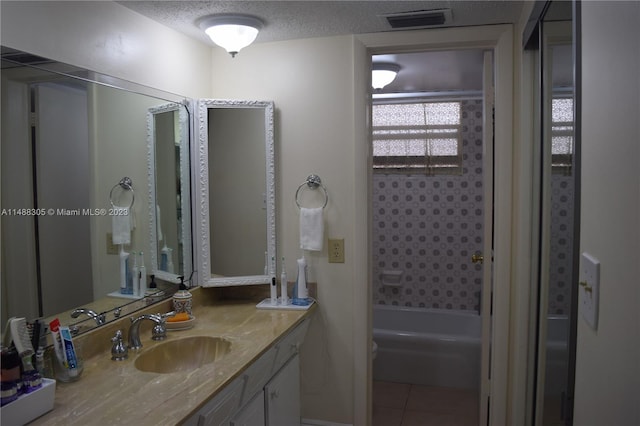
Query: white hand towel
pixel 311 229
pixel 121 226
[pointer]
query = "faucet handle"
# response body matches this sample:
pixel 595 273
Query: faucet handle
pixel 102 318
pixel 159 331
pixel 119 350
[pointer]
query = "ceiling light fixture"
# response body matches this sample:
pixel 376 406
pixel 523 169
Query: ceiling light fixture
pixel 383 73
pixel 231 32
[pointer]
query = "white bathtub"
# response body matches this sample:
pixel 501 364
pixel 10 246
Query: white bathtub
pixel 433 347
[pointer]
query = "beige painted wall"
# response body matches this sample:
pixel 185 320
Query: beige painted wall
pixel 319 87
pixel 608 359
pixel 311 84
pixel 106 37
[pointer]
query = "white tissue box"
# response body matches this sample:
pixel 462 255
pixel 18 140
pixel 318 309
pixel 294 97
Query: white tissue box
pixel 30 406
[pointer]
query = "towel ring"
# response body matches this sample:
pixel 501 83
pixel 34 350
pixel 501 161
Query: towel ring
pixel 313 182
pixel 127 185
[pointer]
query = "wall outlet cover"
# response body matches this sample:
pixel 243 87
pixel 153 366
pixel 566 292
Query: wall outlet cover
pixel 336 250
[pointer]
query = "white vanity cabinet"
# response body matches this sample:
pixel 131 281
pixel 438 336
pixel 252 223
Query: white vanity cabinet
pixel 282 395
pixel 251 414
pixel 266 394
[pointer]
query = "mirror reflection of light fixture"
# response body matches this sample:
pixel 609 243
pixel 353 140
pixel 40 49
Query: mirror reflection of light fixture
pixel 231 32
pixel 383 73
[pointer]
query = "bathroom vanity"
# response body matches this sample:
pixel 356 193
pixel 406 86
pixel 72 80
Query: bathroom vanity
pixel 255 381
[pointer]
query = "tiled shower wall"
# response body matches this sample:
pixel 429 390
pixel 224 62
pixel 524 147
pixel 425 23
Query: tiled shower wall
pixel 561 248
pixel 429 226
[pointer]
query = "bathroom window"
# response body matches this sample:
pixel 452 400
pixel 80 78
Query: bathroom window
pixel 417 137
pixel 561 134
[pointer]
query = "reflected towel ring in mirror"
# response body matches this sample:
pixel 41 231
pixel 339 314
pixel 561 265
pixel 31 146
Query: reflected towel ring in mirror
pixel 313 182
pixel 127 185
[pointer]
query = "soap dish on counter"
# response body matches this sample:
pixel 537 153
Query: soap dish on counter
pixel 31 405
pixel 181 325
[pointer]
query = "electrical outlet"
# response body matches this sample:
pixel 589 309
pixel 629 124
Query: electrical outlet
pixel 336 250
pixel 111 248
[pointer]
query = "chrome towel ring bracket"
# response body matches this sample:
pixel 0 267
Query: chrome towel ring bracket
pixel 127 185
pixel 313 182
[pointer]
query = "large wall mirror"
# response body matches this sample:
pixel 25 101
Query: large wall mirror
pixel 235 193
pixel 69 137
pixel 556 44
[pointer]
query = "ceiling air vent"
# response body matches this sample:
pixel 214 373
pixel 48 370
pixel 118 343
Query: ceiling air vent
pixel 419 19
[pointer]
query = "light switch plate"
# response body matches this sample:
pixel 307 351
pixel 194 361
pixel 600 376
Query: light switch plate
pixel 589 289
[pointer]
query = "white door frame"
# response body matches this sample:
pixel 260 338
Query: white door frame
pixel 499 38
pixel 488 92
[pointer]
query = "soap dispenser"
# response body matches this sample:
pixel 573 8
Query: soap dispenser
pixel 182 299
pixel 153 294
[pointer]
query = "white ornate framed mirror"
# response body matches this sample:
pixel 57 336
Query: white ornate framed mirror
pixel 234 201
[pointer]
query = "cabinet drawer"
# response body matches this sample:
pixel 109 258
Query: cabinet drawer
pixel 258 375
pixel 222 407
pixel 290 345
pixel 251 414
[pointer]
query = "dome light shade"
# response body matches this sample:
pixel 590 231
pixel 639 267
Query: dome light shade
pixel 231 32
pixel 383 73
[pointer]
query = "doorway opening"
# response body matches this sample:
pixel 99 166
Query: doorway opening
pixel 432 208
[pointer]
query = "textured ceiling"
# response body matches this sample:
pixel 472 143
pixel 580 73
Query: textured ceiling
pixel 287 20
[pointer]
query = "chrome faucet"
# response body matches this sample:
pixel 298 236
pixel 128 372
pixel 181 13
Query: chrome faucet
pixel 98 318
pixel 159 329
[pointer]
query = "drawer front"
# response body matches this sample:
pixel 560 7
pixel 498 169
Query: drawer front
pixel 222 407
pixel 290 345
pixel 258 375
pixel 251 414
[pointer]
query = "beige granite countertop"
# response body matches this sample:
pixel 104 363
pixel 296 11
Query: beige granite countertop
pixel 116 393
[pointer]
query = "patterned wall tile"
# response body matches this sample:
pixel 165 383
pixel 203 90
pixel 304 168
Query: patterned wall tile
pixel 429 226
pixel 561 248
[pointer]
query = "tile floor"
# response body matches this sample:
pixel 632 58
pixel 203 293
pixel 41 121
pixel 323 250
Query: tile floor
pixel 400 404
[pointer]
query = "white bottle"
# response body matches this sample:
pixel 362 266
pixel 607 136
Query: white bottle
pixel 301 285
pixel 135 275
pixel 170 260
pixel 266 263
pixel 284 299
pixel 142 273
pixel 124 257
